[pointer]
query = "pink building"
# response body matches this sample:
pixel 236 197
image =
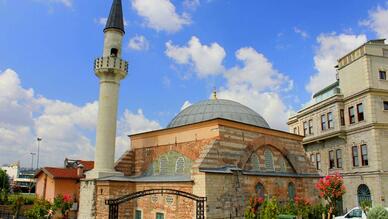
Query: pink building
pixel 52 181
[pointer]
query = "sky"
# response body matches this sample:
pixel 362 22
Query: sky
pixel 270 55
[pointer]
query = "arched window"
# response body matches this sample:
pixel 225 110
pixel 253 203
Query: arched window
pixel 283 166
pixel 114 52
pixel 268 160
pixel 291 191
pixel 255 162
pixel 163 165
pixel 260 190
pixel 363 194
pixel 180 166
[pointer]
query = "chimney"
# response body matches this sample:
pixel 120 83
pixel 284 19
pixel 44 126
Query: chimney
pixel 80 170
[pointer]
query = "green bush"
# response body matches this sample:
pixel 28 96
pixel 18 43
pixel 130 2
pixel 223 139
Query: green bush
pixel 39 210
pixel 28 198
pixel 378 213
pixel 270 209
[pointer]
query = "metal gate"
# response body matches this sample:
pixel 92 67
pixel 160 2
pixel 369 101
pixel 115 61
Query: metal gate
pixel 114 203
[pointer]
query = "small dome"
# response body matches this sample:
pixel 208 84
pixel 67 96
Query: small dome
pixel 218 108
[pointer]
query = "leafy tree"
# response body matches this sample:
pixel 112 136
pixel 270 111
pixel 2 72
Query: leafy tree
pixel 4 180
pixel 331 188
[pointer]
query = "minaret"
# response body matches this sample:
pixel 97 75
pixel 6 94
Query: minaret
pixel 110 69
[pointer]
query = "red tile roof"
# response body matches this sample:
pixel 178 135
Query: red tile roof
pixel 65 173
pixel 88 165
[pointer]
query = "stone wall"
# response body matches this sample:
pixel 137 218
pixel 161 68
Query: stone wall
pixel 228 194
pixel 172 206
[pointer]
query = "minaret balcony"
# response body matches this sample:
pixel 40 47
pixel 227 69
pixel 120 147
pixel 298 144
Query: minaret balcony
pixel 111 64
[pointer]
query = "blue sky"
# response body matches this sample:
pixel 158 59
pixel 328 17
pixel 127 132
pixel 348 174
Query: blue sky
pixel 269 55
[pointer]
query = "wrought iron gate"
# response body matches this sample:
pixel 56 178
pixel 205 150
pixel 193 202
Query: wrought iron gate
pixel 114 203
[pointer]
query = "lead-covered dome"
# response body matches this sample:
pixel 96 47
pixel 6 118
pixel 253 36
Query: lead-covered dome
pixel 218 108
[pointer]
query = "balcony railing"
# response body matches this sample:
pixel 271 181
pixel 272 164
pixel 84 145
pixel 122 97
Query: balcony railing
pixel 110 62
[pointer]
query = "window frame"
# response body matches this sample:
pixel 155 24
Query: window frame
pixel 355 156
pixel 310 127
pixel 360 114
pixel 338 158
pixel 305 128
pixel 385 103
pixel 162 213
pixel 364 157
pixel 312 158
pixel 330 122
pixel 342 117
pixel 331 159
pixel 382 73
pixel 318 161
pixel 352 115
pixel 141 213
pixel 323 122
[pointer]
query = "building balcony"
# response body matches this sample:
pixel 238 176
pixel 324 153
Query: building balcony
pixel 111 64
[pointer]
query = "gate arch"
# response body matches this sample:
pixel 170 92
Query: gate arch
pixel 114 203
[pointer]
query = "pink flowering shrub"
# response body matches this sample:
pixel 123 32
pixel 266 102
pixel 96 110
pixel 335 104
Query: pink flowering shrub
pixel 331 188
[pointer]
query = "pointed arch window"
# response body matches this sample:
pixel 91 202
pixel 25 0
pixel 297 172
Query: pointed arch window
pixel 180 166
pixel 291 191
pixel 255 162
pixel 260 190
pixel 268 160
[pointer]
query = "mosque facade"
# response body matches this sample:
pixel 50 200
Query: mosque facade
pixel 207 163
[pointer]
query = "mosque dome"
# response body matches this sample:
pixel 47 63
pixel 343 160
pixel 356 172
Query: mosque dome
pixel 218 108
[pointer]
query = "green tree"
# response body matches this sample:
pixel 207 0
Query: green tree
pixel 4 180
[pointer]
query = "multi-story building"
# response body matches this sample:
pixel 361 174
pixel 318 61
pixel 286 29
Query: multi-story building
pixel 346 126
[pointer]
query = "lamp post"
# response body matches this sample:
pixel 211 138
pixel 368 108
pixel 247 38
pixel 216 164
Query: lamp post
pixel 32 160
pixel 37 162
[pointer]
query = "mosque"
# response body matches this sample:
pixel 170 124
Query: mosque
pixel 207 163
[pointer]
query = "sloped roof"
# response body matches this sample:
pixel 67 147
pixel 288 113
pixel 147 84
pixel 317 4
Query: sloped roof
pixel 65 173
pixel 116 19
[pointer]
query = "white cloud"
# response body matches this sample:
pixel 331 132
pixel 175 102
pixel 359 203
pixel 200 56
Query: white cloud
pixel 132 123
pixel 301 32
pixel 257 72
pixel 185 105
pixel 191 4
pixel 206 60
pixel 256 83
pixel 138 43
pixel 161 15
pixel 102 21
pixel 268 104
pixel 331 47
pixel 67 130
pixel 378 21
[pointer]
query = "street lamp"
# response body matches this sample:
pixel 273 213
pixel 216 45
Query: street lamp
pixel 32 160
pixel 37 162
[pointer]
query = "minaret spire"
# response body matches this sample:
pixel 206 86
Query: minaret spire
pixel 110 68
pixel 116 18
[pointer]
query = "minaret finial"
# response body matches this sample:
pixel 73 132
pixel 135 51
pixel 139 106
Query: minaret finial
pixel 215 93
pixel 116 18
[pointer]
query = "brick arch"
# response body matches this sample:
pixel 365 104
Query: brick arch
pixel 255 145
